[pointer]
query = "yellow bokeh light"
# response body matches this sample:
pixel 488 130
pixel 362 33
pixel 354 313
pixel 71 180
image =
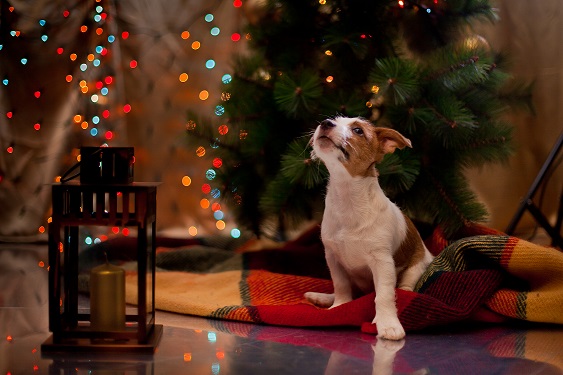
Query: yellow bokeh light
pixel 328 52
pixel 186 181
pixel 329 79
pixel 192 231
pixel 204 203
pixel 204 95
pixel 322 2
pixel 83 83
pixel 183 77
pixel 196 45
pixel 375 89
pixel 185 34
pixel 200 151
pixel 220 224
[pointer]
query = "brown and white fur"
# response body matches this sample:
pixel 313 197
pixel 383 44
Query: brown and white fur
pixel 370 245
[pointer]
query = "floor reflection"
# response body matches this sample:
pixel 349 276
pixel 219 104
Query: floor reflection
pixel 193 345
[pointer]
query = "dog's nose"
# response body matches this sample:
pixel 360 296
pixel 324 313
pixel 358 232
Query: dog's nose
pixel 326 124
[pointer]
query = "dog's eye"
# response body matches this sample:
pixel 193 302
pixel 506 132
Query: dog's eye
pixel 358 131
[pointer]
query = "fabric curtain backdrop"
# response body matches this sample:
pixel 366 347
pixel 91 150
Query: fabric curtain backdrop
pixel 530 33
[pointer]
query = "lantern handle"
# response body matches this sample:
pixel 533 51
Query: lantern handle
pixel 65 177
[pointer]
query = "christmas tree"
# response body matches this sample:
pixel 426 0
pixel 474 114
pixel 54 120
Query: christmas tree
pixel 414 66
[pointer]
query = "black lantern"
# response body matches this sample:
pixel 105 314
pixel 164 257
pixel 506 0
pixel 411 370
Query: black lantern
pixel 105 325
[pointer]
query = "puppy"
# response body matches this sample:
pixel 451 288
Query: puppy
pixel 370 245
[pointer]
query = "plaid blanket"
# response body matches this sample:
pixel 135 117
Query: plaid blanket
pixel 484 275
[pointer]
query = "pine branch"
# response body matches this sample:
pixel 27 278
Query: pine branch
pixel 295 94
pixel 454 208
pixel 398 171
pixel 397 78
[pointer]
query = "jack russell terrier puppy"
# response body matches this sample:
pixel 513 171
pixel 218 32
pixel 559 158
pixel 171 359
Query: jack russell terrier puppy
pixel 370 245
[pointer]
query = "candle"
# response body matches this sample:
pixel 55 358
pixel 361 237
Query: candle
pixel 107 298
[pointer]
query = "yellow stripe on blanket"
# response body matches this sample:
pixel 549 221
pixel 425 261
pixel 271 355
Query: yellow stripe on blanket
pixel 191 293
pixel 542 269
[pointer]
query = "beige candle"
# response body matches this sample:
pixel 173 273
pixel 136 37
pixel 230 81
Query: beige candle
pixel 107 298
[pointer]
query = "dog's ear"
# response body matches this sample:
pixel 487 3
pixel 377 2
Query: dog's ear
pixel 390 139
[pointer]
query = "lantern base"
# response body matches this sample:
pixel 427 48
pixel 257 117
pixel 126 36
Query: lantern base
pixel 86 345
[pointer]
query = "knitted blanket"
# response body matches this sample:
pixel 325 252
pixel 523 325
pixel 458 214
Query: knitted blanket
pixel 488 276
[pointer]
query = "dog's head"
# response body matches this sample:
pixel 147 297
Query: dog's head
pixel 354 143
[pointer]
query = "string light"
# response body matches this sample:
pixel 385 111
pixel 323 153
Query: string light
pixel 223 129
pixel 217 162
pixel 210 174
pixel 235 233
pixel 206 189
pixel 204 203
pixel 99 94
pixel 186 181
pixel 204 95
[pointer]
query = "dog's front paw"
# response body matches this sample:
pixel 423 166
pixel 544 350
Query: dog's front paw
pixel 390 329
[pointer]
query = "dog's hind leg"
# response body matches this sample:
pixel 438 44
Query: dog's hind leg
pixel 320 299
pixel 411 275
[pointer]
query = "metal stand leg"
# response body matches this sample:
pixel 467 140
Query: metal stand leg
pixel 528 204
